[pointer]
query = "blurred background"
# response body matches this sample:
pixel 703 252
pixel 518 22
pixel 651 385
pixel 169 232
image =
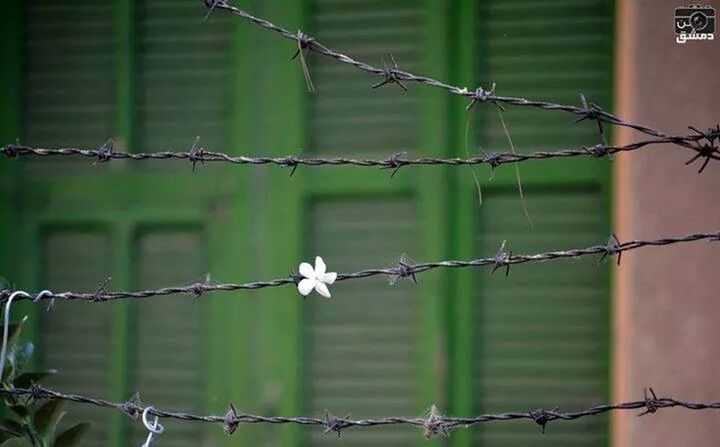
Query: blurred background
pixel 151 76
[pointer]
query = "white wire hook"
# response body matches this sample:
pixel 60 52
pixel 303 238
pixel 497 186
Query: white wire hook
pixel 6 326
pixel 155 428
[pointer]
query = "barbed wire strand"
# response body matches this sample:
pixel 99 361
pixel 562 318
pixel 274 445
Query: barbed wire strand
pixel 395 162
pixel 394 75
pixel 503 259
pixel 433 424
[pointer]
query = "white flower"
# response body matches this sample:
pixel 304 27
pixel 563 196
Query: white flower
pixel 315 278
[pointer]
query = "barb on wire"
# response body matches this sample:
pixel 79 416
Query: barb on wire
pixel 394 75
pixel 433 424
pixel 390 73
pixel 707 150
pixel 501 259
pixel 706 147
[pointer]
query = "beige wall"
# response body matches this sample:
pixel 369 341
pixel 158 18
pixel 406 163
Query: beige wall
pixel 667 300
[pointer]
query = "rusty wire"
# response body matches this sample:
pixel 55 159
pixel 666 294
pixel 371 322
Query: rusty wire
pixel 503 259
pixel 395 162
pixel 432 424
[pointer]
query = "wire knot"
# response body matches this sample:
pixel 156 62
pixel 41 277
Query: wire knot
pixel 592 111
pixel 290 162
pixel 406 270
pixel 212 4
pixel 304 42
pixel 651 402
pixel 132 408
pixel 598 151
pixel 612 247
pixel 705 146
pixel 392 74
pixel 154 428
pixel 101 292
pixel 502 259
pixel 196 154
pixel 10 151
pixel 232 420
pixel 435 424
pixel 493 159
pixel 482 95
pixel 335 424
pixel 198 289
pixel 104 152
pixel 542 417
pixel 37 392
pixel 395 162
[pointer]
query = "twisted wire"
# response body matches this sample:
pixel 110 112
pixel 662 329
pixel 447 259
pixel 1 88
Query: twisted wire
pixel 433 424
pixel 402 270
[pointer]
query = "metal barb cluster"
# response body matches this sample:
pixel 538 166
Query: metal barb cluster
pixel 433 424
pixel 403 269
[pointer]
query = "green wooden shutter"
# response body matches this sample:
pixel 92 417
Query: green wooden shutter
pixel 541 333
pixel 345 115
pixel 182 74
pixel 362 345
pixel 68 99
pixel 69 91
pixel 170 342
pixel 540 336
pixel 74 336
pixel 551 52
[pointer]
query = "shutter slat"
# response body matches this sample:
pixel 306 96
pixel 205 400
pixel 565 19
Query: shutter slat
pixel 75 336
pixel 169 354
pixel 538 344
pixel 69 90
pixel 362 344
pixel 346 115
pixel 182 79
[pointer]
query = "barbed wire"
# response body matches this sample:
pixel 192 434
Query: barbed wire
pixel 433 423
pixel 393 75
pixel 503 259
pixel 106 153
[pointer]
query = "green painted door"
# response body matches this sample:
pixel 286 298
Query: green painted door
pixel 538 338
pixel 151 77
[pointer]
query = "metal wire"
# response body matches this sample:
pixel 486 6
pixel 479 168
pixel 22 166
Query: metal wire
pixel 502 259
pixel 394 75
pixel 395 162
pixel 433 424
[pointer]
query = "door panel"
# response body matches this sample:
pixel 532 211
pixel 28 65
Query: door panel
pixel 540 338
pixel 361 347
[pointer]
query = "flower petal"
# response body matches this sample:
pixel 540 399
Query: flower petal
pixel 306 285
pixel 307 271
pixel 320 266
pixel 329 278
pixel 322 289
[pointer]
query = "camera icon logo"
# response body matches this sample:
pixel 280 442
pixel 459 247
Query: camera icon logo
pixel 694 22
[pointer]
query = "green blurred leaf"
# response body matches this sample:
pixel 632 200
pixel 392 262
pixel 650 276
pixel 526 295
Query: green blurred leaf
pixel 11 427
pixel 48 415
pixel 71 437
pixel 27 379
pixel 20 410
pixel 16 442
